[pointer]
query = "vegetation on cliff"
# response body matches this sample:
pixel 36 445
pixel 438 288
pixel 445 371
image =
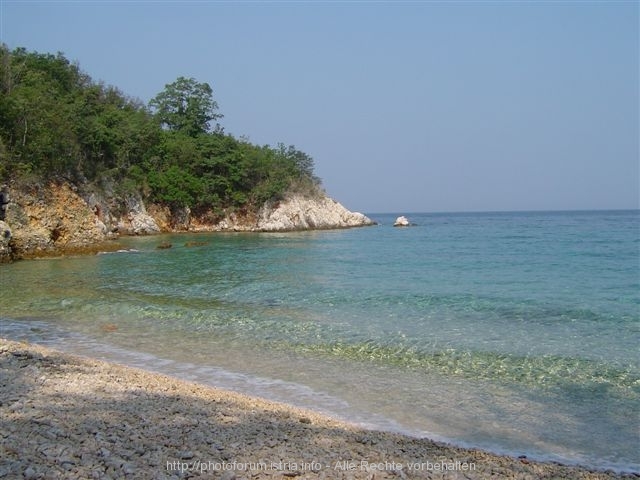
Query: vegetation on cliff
pixel 56 122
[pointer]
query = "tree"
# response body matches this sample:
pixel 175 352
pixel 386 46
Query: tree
pixel 56 121
pixel 186 106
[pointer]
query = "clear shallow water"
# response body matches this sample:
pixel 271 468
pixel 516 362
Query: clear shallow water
pixel 516 332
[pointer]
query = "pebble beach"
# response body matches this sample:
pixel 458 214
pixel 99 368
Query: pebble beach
pixel 63 416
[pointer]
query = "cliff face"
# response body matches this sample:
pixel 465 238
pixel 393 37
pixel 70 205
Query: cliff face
pixel 57 218
pixel 46 219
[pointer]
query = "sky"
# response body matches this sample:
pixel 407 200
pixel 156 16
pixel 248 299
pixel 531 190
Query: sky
pixel 404 106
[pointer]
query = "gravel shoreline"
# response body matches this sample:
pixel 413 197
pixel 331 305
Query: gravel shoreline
pixel 63 416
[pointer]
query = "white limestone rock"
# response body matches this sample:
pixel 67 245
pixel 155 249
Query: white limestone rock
pixel 308 213
pixel 402 221
pixel 141 223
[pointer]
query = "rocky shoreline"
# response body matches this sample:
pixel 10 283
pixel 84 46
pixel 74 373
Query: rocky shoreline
pixel 61 218
pixel 63 416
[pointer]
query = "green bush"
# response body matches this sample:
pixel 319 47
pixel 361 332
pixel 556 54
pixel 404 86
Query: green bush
pixel 56 121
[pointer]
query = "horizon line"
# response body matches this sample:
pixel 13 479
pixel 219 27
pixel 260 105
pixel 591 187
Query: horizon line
pixel 439 212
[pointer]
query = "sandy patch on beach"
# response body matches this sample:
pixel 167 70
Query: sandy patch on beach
pixel 63 416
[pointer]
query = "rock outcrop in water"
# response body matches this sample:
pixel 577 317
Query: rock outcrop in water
pixel 59 217
pixel 401 221
pixel 304 213
pixel 5 239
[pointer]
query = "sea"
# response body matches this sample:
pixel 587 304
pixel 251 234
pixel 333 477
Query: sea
pixel 514 332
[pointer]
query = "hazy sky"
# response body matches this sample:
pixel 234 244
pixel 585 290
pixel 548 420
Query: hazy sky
pixel 415 106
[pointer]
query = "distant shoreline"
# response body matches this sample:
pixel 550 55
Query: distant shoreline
pixel 84 417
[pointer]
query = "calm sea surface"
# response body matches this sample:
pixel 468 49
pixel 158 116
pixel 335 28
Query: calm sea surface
pixel 514 332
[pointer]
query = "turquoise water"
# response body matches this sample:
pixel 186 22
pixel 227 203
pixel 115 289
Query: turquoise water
pixel 515 332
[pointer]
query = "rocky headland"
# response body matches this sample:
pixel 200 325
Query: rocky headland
pixel 61 217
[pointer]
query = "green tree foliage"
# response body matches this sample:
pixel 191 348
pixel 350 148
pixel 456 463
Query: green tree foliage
pixel 186 106
pixel 56 121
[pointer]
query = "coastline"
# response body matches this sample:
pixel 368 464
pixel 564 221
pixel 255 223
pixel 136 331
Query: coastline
pixel 61 219
pixel 75 417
